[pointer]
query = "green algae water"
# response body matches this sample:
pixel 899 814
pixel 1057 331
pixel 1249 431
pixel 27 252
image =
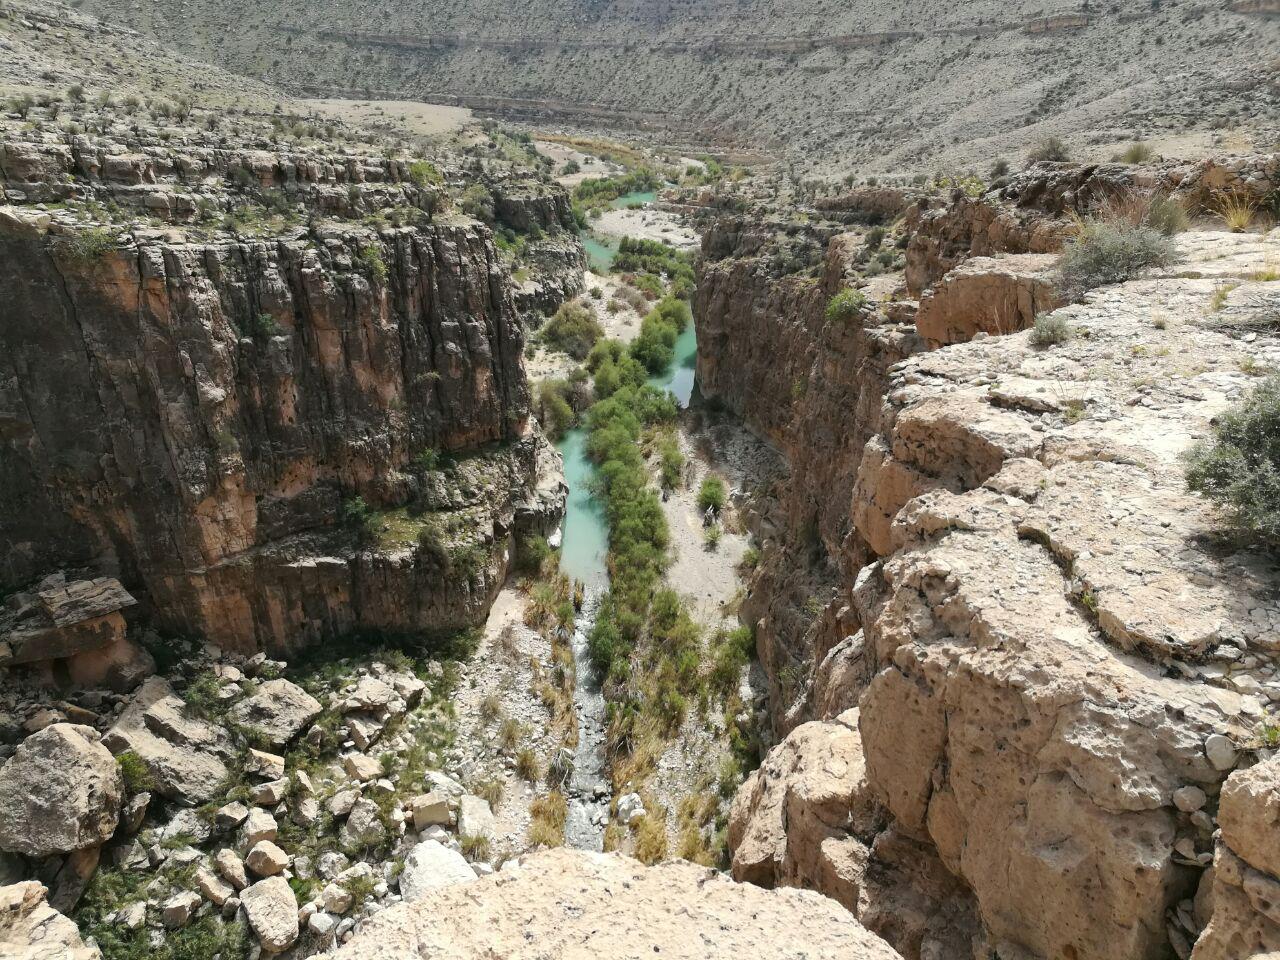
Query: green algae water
pixel 678 378
pixel 631 199
pixel 585 538
pixel 600 251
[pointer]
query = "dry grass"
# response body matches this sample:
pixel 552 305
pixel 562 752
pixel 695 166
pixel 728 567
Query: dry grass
pixel 650 839
pixel 528 767
pixel 1236 210
pixel 549 813
pixel 490 791
pixel 510 733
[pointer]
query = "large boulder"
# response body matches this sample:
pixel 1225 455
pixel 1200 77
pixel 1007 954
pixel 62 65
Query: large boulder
pixel 562 903
pixel 61 791
pixel 272 912
pixel 278 711
pixel 183 755
pixel 430 865
pixel 30 929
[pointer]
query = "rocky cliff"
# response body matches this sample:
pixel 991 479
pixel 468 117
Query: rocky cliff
pixel 231 381
pixel 1050 660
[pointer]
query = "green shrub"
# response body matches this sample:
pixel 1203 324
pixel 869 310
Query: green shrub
pixel 423 173
pixel 1239 469
pixel 554 409
pixel 711 494
pixel 356 516
pixel 573 330
pixel 371 257
pixel 845 305
pixel 655 347
pixel 477 202
pixel 1050 150
pixel 89 246
pixel 1137 152
pixel 134 772
pixel 1106 253
pixel 1050 330
pixel 671 462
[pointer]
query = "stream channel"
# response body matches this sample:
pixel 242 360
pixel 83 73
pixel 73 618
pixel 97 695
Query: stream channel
pixel 583 550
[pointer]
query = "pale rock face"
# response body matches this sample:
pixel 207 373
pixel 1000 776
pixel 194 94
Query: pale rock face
pixel 430 865
pixel 258 826
pixel 475 819
pixel 572 903
pixel 992 295
pixel 231 867
pixel 60 792
pixel 214 889
pixel 30 929
pixel 431 809
pixel 278 710
pixel 179 909
pixel 361 767
pixel 272 912
pixel 806 817
pixel 364 824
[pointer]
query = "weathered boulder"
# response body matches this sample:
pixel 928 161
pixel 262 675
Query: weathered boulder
pixel 364 825
pixel 992 295
pixel 61 791
pixel 272 911
pixel 475 818
pixel 278 711
pixel 266 859
pixel 429 865
pixel 562 903
pixel 30 929
pixel 807 816
pixel 183 755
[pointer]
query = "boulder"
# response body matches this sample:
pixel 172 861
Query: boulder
pixel 183 756
pixel 258 826
pixel 278 711
pixel 231 867
pixel 360 767
pixel 429 865
pixel 563 903
pixel 61 791
pixel 430 809
pixel 212 887
pixel 30 929
pixel 179 909
pixel 266 859
pixel 364 825
pixel 272 912
pixel 475 818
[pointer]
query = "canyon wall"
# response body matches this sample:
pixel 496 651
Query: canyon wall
pixel 1042 660
pixel 272 437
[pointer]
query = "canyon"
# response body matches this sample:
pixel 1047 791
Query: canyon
pixel 638 525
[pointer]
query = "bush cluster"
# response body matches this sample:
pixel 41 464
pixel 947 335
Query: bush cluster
pixel 1105 253
pixel 1239 468
pixel 572 330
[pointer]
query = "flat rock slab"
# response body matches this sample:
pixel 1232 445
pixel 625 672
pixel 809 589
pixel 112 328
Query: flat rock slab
pixel 431 865
pixel 566 903
pixel 279 711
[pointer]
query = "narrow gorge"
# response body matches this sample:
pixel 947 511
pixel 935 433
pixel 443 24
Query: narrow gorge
pixel 638 481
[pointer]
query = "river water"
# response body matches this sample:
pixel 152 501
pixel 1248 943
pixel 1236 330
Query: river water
pixel 583 556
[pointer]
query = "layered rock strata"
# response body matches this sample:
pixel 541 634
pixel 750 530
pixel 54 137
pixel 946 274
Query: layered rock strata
pixel 1055 657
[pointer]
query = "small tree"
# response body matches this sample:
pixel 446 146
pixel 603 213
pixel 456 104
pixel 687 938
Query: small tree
pixel 846 305
pixel 1239 469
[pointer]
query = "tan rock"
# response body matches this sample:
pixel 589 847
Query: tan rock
pixel 30 929
pixel 572 903
pixel 266 859
pixel 992 295
pixel 272 912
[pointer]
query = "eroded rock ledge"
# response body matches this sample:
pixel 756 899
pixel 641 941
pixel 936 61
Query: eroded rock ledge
pixel 1053 660
pixel 564 903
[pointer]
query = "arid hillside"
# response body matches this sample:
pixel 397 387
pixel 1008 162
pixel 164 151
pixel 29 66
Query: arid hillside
pixel 882 85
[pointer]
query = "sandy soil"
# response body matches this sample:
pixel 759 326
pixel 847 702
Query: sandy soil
pixel 423 119
pixel 647 224
pixel 503 670
pixel 623 325
pixel 592 167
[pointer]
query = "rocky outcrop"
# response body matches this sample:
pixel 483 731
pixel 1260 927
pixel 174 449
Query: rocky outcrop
pixel 59 793
pixel 564 902
pixel 991 295
pixel 810 385
pixel 1056 660
pixel 30 929
pixel 217 402
pixel 73 632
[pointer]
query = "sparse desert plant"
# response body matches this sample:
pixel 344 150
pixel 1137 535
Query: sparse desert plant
pixel 845 305
pixel 1236 210
pixel 650 839
pixel 528 766
pixel 1239 468
pixel 1136 152
pixel 1049 150
pixel 1105 253
pixel 1141 208
pixel 475 846
pixel 1050 330
pixel 510 733
pixel 89 246
pixel 711 494
pixel 711 536
pixel 134 772
pixel 371 257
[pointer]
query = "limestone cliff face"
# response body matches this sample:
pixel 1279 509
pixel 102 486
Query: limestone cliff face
pixel 809 385
pixel 1054 660
pixel 190 416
